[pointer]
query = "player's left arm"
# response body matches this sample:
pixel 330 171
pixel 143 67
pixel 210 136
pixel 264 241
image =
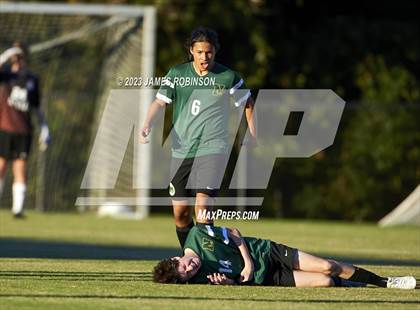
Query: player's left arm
pixel 251 120
pixel 242 94
pixel 248 270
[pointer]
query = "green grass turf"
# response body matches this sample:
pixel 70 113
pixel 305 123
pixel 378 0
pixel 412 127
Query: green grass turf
pixel 72 261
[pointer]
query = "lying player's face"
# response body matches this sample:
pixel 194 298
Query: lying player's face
pixel 187 266
pixel 203 54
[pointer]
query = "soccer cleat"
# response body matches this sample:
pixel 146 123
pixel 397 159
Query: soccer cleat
pixel 405 283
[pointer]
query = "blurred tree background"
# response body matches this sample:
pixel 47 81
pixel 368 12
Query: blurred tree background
pixel 367 52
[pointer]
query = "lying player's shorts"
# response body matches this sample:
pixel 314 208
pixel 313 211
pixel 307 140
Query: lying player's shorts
pixel 202 174
pixel 14 145
pixel 280 270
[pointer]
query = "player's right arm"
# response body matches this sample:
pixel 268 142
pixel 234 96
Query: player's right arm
pixel 154 109
pixel 164 96
pixel 5 56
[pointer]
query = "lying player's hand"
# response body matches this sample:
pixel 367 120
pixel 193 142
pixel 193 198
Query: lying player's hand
pixel 144 133
pixel 247 273
pixel 219 279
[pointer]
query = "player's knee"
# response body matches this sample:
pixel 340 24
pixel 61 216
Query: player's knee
pixel 335 268
pixel 328 281
pixel 203 199
pixel 329 268
pixel 182 219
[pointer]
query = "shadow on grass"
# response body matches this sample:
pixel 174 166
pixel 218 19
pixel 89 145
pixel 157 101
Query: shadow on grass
pixel 76 276
pixel 196 298
pixel 28 248
pixel 372 261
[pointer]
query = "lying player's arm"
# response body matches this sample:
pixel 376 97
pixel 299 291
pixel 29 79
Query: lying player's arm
pixel 248 271
pixel 220 279
pixel 156 106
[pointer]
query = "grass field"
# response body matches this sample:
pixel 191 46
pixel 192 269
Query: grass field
pixel 72 261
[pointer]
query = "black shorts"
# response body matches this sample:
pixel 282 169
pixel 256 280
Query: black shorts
pixel 14 145
pixel 280 266
pixel 203 174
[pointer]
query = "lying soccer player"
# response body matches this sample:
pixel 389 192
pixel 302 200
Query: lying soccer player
pixel 220 255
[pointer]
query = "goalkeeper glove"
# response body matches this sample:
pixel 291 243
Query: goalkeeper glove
pixel 44 137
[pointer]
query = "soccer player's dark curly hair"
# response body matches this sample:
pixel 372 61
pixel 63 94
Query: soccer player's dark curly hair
pixel 202 34
pixel 165 272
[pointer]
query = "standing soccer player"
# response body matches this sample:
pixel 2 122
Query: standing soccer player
pixel 19 95
pixel 200 119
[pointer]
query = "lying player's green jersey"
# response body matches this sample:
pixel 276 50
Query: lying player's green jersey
pixel 201 111
pixel 218 253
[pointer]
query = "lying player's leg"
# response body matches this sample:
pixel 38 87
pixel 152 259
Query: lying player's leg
pixel 310 263
pixel 312 279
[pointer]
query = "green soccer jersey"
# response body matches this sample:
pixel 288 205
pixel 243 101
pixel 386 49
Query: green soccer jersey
pixel 218 253
pixel 202 106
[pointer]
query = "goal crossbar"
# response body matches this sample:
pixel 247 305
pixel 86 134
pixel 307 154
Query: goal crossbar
pixel 75 9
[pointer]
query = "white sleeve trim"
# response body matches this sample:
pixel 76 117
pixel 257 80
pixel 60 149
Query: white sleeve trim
pixel 167 81
pixel 210 231
pixel 225 235
pixel 163 98
pixel 236 86
pixel 243 99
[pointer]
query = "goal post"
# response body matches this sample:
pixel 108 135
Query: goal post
pixel 79 50
pixel 407 212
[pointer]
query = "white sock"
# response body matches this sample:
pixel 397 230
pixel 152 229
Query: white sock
pixel 1 187
pixel 19 190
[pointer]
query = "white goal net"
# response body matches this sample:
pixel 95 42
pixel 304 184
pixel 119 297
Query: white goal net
pixel 78 51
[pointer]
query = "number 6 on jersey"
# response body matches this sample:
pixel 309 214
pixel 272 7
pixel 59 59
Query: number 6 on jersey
pixel 195 107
